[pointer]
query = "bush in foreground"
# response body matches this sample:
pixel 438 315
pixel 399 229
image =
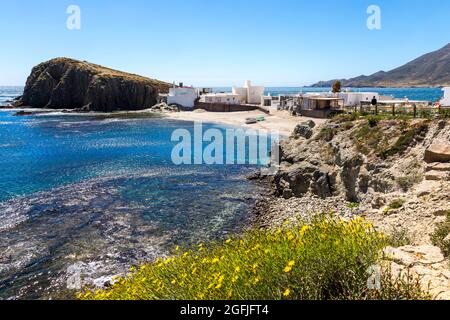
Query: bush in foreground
pixel 325 259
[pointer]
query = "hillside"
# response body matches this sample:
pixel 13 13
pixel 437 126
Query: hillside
pixel 429 70
pixel 64 83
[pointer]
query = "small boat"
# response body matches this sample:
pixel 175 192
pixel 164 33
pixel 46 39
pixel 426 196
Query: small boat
pixel 251 121
pixel 260 118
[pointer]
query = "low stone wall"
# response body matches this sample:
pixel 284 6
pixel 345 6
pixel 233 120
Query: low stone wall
pixel 224 107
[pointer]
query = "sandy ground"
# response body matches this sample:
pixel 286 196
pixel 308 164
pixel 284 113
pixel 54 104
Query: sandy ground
pixel 280 121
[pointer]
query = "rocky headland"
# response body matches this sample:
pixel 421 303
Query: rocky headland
pixel 395 173
pixel 64 83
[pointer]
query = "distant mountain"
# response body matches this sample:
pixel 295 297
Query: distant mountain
pixel 430 70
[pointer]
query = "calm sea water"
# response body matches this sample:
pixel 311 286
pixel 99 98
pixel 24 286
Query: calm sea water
pixel 85 197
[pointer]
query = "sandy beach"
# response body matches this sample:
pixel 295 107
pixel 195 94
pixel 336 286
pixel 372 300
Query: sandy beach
pixel 279 121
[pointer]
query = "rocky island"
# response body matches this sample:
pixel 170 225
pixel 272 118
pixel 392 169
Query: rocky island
pixel 64 83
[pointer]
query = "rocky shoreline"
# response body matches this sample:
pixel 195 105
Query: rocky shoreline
pixel 336 167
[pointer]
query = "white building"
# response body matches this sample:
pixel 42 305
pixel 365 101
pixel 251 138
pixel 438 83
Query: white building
pixel 446 99
pixel 249 94
pixel 223 97
pixel 184 96
pixel 352 99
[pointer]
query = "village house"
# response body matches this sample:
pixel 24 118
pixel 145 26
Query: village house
pixel 183 96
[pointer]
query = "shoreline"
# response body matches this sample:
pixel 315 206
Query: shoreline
pixel 279 121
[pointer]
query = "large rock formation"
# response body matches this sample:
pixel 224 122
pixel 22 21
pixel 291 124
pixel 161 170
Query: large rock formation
pixel 63 83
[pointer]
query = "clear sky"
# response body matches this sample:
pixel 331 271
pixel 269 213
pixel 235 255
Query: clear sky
pixel 222 42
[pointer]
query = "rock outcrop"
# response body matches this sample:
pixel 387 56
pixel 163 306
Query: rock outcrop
pixel 63 83
pixel 424 263
pixel 378 171
pixel 438 153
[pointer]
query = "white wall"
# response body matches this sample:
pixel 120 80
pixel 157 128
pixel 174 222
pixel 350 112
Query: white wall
pixel 220 98
pixel 255 94
pixel 182 96
pixel 242 94
pixel 446 100
pixel 352 99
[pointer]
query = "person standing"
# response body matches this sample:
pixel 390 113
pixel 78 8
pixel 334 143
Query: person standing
pixel 374 103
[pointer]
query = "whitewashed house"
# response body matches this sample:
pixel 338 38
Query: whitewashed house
pixel 352 99
pixel 249 93
pixel 446 99
pixel 222 97
pixel 183 96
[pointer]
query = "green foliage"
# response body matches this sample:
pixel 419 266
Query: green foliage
pixel 327 134
pixel 407 182
pixel 399 237
pixel 405 140
pixel 372 121
pixel 441 232
pixel 337 86
pixel 353 205
pixel 367 138
pixel 325 259
pixel 396 204
pixel 444 114
pixel 346 117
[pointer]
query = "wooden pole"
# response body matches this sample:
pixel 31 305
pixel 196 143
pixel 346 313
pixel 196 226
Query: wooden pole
pixel 415 110
pixel 393 110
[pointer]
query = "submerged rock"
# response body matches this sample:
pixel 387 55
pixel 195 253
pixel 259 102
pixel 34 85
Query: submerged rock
pixel 64 83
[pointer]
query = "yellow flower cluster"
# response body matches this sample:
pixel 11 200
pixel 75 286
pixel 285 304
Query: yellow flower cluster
pixel 258 265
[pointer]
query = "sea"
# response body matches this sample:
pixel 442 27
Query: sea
pixel 84 197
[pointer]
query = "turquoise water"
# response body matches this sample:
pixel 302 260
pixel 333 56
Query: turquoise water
pixel 88 196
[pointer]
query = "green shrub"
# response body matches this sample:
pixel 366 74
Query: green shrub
pixel 407 182
pixel 441 232
pixel 405 140
pixel 396 204
pixel 399 237
pixel 327 134
pixel 325 259
pixel 346 117
pixel 372 121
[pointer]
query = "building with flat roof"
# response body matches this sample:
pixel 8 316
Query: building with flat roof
pixel 220 97
pixel 183 96
pixel 248 93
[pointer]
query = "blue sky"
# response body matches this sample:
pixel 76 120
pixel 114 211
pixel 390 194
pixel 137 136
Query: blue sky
pixel 222 42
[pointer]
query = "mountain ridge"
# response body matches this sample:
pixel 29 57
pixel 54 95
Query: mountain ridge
pixel 429 70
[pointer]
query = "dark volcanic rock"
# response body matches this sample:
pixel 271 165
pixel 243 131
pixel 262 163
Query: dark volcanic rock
pixel 64 83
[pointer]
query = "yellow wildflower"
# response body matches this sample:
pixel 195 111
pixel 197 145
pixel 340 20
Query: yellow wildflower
pixel 287 269
pixel 215 260
pixel 287 293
